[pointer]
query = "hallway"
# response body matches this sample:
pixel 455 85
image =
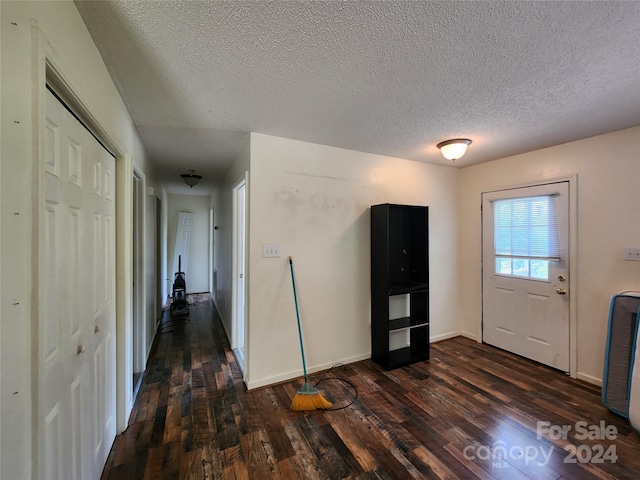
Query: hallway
pixel 193 419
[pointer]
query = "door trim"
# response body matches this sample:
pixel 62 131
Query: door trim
pixel 573 263
pixel 243 181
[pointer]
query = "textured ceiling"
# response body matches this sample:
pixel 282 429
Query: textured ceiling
pixel 393 78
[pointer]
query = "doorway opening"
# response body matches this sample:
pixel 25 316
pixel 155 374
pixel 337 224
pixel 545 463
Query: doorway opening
pixel 138 321
pixel 212 267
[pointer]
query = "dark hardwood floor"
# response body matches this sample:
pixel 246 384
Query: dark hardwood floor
pixel 471 412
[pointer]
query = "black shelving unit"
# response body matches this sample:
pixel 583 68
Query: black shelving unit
pixel 399 266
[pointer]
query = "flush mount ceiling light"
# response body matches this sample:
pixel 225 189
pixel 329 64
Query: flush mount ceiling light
pixel 454 149
pixel 191 179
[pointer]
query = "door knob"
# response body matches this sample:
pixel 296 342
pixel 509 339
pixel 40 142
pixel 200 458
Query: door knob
pixel 80 349
pixel 561 291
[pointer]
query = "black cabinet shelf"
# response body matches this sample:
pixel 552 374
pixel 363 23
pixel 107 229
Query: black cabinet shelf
pixel 408 287
pixel 401 358
pixel 399 266
pixel 408 322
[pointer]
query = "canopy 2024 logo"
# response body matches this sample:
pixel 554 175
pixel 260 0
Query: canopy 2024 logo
pixel 502 455
pixel 584 453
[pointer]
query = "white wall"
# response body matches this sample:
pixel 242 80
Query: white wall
pixel 313 202
pixel 608 219
pixel 222 202
pixel 197 269
pixel 64 33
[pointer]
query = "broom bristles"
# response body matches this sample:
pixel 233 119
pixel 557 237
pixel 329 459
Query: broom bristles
pixel 309 398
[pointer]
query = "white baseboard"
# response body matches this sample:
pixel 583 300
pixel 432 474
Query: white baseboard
pixel 589 379
pixel 263 382
pixel 457 333
pixel 444 336
pixel 224 327
pixel 471 336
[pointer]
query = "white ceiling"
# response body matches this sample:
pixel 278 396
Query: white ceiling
pixel 393 78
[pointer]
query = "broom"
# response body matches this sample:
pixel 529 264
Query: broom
pixel 307 397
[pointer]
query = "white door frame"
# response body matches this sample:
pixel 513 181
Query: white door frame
pixel 573 263
pixel 242 183
pixel 50 67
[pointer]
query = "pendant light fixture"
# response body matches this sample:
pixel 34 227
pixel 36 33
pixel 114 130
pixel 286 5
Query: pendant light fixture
pixel 454 149
pixel 191 179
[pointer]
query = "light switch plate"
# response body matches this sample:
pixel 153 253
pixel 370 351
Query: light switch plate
pixel 270 251
pixel 632 253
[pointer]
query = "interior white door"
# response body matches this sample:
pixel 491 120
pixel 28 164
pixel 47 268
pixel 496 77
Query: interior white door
pixel 77 394
pixel 183 242
pixel 525 307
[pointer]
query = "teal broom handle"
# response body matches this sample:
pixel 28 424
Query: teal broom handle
pixel 295 299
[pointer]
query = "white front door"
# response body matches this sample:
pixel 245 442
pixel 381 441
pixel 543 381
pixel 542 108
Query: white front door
pixel 525 305
pixel 76 363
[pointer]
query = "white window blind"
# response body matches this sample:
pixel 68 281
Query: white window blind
pixel 527 227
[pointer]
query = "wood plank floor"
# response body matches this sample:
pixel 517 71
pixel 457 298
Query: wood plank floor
pixel 471 412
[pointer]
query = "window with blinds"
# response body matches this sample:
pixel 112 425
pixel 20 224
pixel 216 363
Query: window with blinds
pixel 526 236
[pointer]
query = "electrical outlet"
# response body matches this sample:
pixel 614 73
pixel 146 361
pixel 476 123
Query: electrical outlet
pixel 632 253
pixel 270 251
